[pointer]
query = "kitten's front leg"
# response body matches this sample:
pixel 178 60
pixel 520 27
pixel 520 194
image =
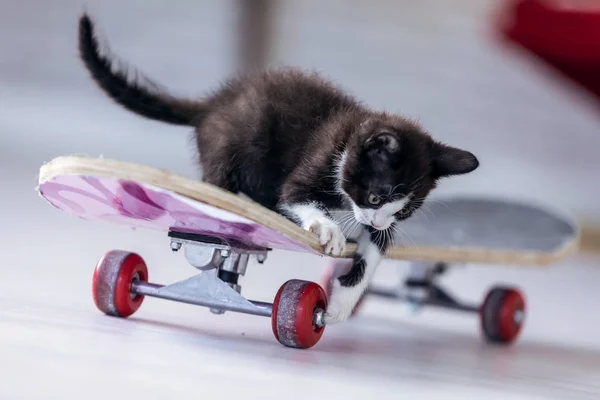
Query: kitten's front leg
pixel 346 290
pixel 315 218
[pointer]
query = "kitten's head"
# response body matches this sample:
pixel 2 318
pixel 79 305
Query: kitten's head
pixel 390 165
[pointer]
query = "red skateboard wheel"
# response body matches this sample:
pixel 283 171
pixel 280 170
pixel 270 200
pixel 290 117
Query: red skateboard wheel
pixel 502 314
pixel 339 267
pixel 111 283
pixel 293 314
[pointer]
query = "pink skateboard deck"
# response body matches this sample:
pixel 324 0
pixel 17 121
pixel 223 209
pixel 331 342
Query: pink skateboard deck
pixel 143 206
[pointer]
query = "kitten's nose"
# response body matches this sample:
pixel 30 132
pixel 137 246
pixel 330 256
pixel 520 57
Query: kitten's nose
pixel 376 225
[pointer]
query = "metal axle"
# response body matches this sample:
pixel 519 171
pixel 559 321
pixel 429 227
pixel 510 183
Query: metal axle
pixel 256 307
pixel 154 290
pixel 436 297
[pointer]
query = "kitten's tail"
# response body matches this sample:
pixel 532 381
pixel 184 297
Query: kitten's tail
pixel 146 98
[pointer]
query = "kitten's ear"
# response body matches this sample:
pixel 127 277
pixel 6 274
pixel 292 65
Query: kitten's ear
pixel 383 141
pixel 448 160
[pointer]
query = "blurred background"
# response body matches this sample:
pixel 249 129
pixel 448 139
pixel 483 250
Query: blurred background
pixel 466 69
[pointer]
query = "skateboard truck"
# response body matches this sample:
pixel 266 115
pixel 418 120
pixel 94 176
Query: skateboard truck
pixel 120 283
pixel 501 313
pixel 207 253
pixel 421 289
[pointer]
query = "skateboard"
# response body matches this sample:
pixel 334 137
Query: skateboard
pixel 219 232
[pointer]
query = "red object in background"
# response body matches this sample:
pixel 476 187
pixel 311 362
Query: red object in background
pixel 564 34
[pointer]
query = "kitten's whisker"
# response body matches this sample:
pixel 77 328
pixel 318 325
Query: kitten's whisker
pixel 346 223
pixel 422 213
pixel 353 224
pixel 395 187
pixel 331 193
pixel 408 236
pixel 377 238
pixel 445 205
pixel 388 237
pixel 425 207
pixel 350 229
pixel 400 236
pixel 345 218
pixel 419 179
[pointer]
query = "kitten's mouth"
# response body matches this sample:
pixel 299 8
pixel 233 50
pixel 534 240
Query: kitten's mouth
pixel 366 220
pixel 379 227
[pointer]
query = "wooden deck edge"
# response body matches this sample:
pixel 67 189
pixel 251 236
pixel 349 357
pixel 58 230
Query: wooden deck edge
pixel 590 239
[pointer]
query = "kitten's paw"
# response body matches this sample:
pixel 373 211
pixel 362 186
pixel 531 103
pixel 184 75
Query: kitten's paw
pixel 341 302
pixel 330 234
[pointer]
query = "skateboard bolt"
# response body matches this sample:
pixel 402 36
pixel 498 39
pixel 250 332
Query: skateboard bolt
pixel 175 246
pixel 518 317
pixel 319 318
pixel 261 258
pixel 225 253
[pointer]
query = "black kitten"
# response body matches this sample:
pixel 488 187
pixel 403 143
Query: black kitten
pixel 296 144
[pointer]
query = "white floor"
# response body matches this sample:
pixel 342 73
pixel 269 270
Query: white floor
pixel 54 343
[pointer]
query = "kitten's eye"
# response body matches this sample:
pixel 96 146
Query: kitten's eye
pixel 374 199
